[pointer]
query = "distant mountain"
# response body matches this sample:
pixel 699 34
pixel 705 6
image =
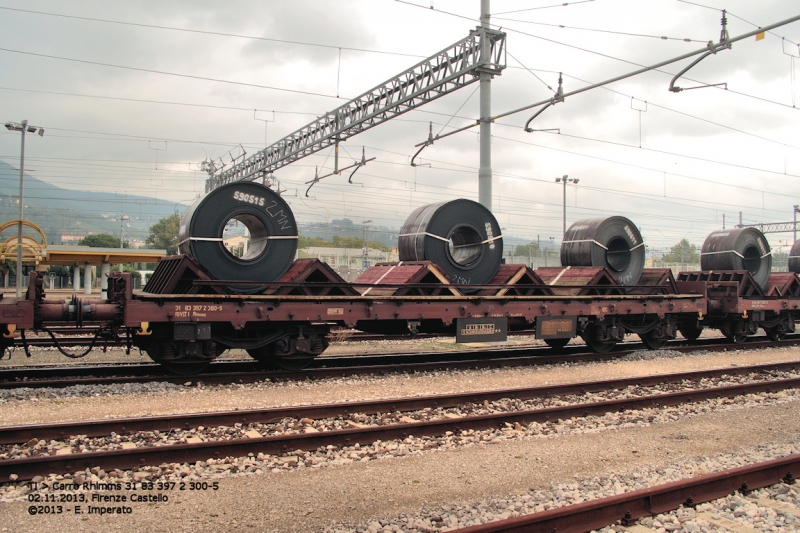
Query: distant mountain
pixel 61 211
pixel 346 228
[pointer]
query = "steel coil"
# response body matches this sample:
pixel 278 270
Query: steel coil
pixel 738 249
pixel 268 218
pixel 794 258
pixel 612 242
pixel 462 237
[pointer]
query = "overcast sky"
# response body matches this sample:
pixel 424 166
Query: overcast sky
pixel 704 153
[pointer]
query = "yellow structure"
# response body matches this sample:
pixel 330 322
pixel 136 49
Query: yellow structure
pixel 83 255
pixel 32 250
pixel 44 255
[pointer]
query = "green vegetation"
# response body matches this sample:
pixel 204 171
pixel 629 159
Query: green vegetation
pixel 102 240
pixel 683 252
pixel 340 242
pixel 164 234
pixel 530 250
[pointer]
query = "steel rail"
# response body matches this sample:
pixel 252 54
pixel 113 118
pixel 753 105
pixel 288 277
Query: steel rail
pixel 224 372
pixel 95 428
pixel 26 469
pixel 628 507
pixel 81 337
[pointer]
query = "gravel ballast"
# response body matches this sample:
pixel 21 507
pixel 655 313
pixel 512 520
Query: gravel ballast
pixel 406 486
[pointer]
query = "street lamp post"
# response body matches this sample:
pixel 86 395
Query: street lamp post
pixel 24 128
pixel 366 248
pixel 565 179
pixel 122 220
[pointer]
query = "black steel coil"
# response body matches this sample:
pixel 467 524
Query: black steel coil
pixel 738 249
pixel 462 237
pixel 794 258
pixel 612 242
pixel 273 233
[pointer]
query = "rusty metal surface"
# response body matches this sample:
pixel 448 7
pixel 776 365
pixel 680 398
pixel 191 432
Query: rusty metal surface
pixel 783 284
pixel 129 458
pixel 741 280
pixel 516 280
pixel 655 281
pixel 627 508
pixel 175 274
pixel 239 310
pixel 580 280
pixel 20 313
pixel 311 277
pixel 405 278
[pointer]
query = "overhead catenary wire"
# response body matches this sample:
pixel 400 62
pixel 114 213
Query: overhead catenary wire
pixel 608 56
pixel 563 4
pixel 207 32
pixel 655 66
pixel 717 47
pixel 165 73
pixel 734 16
pixel 531 72
pixel 654 150
pixel 612 32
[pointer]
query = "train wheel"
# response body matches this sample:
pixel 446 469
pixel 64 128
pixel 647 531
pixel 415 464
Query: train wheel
pixel 775 334
pixel 652 340
pixel 736 338
pixel 267 357
pixel 601 346
pixel 690 333
pixel 175 359
pixel 556 343
pixel 593 339
pixel 284 354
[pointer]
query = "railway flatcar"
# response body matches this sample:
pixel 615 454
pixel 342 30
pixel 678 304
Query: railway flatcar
pixel 449 280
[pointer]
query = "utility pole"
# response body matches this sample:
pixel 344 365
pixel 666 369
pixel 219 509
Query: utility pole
pixel 23 127
pixel 366 248
pixel 565 179
pixel 122 220
pixel 796 208
pixel 485 170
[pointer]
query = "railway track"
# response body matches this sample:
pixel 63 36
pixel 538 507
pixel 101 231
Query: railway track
pixel 74 337
pixel 223 372
pixel 625 509
pixel 276 431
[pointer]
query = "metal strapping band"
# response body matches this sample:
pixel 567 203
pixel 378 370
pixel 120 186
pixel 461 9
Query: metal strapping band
pixel 424 233
pixel 587 240
pixel 219 239
pixel 723 252
pixel 448 240
pixel 198 239
pixel 559 276
pixel 766 254
pixel 381 278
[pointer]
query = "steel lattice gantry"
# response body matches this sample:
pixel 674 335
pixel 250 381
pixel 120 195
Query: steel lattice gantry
pixel 454 67
pixel 775 227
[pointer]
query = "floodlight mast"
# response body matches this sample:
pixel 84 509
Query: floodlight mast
pixel 458 65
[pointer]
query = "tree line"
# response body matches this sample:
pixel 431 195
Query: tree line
pixel 164 235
